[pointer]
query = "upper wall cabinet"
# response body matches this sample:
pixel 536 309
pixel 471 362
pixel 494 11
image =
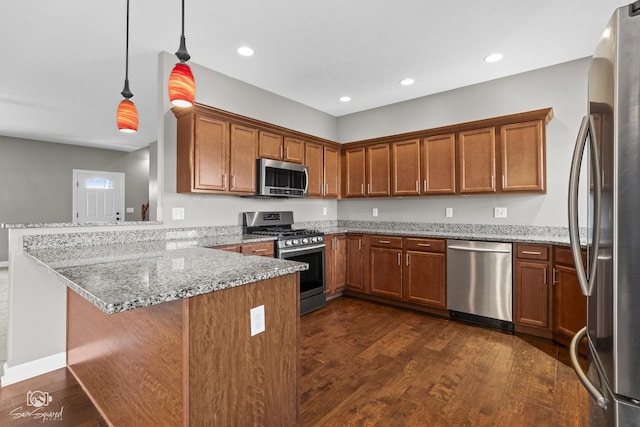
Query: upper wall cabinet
pixel 331 172
pixel 277 147
pixel 314 159
pixel 497 155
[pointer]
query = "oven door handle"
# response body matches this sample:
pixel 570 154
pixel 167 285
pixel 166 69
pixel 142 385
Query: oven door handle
pixel 300 251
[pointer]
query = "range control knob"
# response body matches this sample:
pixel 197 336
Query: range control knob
pixel 305 241
pixel 320 239
pixel 287 242
pixel 295 242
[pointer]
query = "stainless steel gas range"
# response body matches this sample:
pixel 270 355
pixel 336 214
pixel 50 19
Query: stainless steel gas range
pixel 296 245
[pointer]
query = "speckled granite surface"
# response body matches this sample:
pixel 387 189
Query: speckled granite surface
pixel 115 279
pixel 71 224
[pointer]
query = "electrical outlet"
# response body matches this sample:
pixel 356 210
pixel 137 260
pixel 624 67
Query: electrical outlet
pixel 130 210
pixel 375 212
pixel 324 211
pixel 499 212
pixel 448 212
pixel 177 213
pixel 257 320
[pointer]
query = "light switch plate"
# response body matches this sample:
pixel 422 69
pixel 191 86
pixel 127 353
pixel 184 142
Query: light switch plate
pixel 499 212
pixel 375 212
pixel 448 212
pixel 177 213
pixel 324 211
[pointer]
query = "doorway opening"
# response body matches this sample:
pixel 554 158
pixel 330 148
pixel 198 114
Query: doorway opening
pixel 98 196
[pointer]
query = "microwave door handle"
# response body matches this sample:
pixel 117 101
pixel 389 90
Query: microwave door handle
pixel 306 180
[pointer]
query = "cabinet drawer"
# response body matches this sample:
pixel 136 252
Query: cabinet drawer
pixel 562 255
pixel 386 241
pixel 258 248
pixel 228 248
pixel 539 252
pixel 426 245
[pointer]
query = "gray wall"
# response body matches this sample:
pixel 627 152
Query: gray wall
pixel 562 87
pixel 35 180
pixel 228 94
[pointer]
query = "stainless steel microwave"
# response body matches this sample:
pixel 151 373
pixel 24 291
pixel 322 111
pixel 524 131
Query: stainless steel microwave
pixel 282 179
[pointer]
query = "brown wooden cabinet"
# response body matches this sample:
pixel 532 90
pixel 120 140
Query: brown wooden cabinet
pixel 270 145
pixel 331 172
pixel 406 168
pixel 354 172
pixel 378 170
pixel 243 153
pixel 477 159
pixel 314 160
pixel 424 273
pixel 522 150
pixel 356 249
pixel 569 305
pixel 214 156
pixel 293 150
pixel 531 289
pixel 335 264
pixel 385 266
pixel 439 164
pixel 255 248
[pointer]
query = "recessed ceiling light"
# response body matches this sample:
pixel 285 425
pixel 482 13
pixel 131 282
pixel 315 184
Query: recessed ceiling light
pixel 245 51
pixel 494 57
pixel 345 98
pixel 407 82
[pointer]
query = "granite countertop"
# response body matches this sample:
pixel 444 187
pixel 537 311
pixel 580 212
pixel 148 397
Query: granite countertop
pixel 119 277
pixel 484 235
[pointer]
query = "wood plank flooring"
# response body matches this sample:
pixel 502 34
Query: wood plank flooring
pixel 365 364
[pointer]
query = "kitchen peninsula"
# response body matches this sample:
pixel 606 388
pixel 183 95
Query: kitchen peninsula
pixel 158 332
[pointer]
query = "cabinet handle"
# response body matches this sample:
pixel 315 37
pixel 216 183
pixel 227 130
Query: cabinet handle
pixel 424 244
pixel 531 253
pixel 287 152
pixel 386 242
pixel 553 278
pixel 493 182
pixel 224 181
pixel 281 153
pixel 417 186
pixel 399 261
pixel 503 182
pixel 545 275
pixel 407 260
pixel 324 189
pixel 359 244
pixel 233 181
pixel 362 189
pixel 425 185
pixel 368 188
pixel 259 250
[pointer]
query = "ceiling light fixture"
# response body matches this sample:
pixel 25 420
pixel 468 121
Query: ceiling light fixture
pixel 407 82
pixel 127 115
pixel 345 98
pixel 494 57
pixel 245 51
pixel 182 85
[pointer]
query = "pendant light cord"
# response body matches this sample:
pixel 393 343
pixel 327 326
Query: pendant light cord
pixel 182 53
pixel 126 92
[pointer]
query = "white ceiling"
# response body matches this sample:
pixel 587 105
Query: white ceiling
pixel 63 66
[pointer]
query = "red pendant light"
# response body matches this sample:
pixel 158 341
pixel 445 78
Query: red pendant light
pixel 127 114
pixel 182 85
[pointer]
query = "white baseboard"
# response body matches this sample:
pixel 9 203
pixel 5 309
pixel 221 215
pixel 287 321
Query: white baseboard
pixel 4 264
pixel 14 374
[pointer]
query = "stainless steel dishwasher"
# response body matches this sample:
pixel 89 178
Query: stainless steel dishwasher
pixel 479 285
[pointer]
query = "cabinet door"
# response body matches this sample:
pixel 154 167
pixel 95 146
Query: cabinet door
pixel 258 248
pixel 339 263
pixel 406 168
pixel 355 276
pixel 424 278
pixel 270 146
pixel 523 156
pixel 354 172
pixel 243 153
pixel 378 176
pixel 531 294
pixel 331 172
pixel 439 164
pixel 329 255
pixel 569 305
pixel 477 151
pixel 210 154
pixel 314 162
pixel 385 272
pixel 293 150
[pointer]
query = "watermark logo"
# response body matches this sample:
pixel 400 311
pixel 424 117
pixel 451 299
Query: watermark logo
pixel 37 408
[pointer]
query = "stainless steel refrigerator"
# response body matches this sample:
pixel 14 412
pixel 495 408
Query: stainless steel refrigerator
pixel 610 135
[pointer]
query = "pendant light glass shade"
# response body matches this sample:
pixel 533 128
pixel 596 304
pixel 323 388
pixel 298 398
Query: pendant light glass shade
pixel 127 114
pixel 127 117
pixel 182 86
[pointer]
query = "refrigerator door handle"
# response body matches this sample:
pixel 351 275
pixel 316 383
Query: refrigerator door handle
pixel 587 128
pixel 573 352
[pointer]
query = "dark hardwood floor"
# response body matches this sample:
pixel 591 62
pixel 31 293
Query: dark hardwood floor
pixel 365 364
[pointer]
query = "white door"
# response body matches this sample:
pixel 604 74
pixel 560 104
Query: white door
pixel 98 196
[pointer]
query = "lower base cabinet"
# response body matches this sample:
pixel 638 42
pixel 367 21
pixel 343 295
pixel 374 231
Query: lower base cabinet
pixel 355 262
pixel 424 278
pixel 335 264
pixel 531 289
pixel 569 305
